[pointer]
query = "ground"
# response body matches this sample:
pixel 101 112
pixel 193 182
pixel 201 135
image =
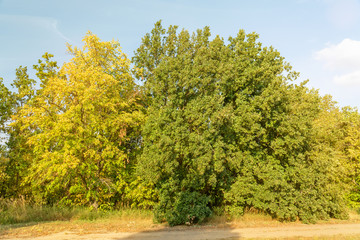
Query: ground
pixel 325 231
pixel 248 228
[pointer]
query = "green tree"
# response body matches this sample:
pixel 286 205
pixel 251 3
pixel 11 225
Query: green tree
pixel 84 123
pixel 291 172
pixel 16 154
pixel 351 149
pixel 5 107
pixel 226 125
pixel 183 152
pixel 5 114
pixel 339 133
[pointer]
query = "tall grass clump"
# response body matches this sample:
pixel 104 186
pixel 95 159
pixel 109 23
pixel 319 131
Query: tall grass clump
pixel 87 214
pixel 13 211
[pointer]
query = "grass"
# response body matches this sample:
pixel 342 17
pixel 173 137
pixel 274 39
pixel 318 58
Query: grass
pixel 19 212
pixel 17 218
pixel 14 212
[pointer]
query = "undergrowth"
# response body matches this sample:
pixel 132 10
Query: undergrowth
pixel 19 211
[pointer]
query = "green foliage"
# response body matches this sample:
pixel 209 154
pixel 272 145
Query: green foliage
pixel 187 208
pixel 5 107
pixel 183 144
pixel 300 175
pixel 5 113
pixel 225 122
pixel 3 174
pixel 141 194
pixel 342 136
pixel 351 150
pixel 17 155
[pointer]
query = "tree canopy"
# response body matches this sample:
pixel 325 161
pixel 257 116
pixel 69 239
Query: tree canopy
pixel 83 121
pixel 226 123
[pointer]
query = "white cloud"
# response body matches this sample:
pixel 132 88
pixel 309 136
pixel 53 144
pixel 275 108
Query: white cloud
pixel 343 56
pixel 49 24
pixel 351 79
pixel 342 59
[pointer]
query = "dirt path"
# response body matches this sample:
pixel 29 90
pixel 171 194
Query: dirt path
pixel 197 234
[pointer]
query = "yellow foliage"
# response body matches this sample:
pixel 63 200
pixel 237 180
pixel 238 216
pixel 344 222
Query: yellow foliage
pixel 81 120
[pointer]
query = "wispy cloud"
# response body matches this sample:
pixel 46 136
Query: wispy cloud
pixel 343 59
pixel 49 24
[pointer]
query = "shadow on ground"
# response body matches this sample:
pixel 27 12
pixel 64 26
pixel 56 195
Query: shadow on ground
pixel 184 234
pixel 4 228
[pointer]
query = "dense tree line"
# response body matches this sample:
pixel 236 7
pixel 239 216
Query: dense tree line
pixel 213 124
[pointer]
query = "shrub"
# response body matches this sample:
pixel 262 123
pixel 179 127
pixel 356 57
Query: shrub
pixel 188 208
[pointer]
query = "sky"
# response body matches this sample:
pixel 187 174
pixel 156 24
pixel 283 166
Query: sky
pixel 319 38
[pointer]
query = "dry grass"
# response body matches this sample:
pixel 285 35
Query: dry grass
pixel 19 212
pixel 17 218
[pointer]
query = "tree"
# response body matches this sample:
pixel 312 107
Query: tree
pixel 84 123
pixel 351 149
pixel 5 106
pixel 183 151
pixel 17 155
pixel 340 138
pixel 227 127
pixel 5 112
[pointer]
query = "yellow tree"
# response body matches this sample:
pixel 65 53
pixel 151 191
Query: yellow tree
pixel 337 146
pixel 350 148
pixel 85 121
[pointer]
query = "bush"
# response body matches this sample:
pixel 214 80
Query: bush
pixel 188 208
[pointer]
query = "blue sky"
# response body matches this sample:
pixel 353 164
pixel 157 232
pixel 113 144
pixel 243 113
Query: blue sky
pixel 320 38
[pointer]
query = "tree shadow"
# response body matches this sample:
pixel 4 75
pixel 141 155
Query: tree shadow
pixel 195 232
pixel 183 233
pixel 5 228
